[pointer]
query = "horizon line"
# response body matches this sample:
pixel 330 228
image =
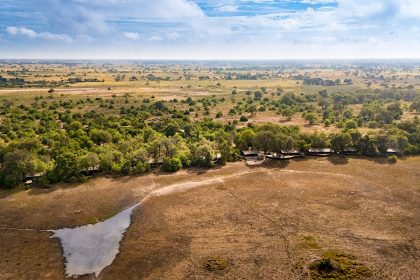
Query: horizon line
pixel 220 59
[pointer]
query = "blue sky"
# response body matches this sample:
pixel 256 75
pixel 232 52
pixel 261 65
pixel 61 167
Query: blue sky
pixel 209 29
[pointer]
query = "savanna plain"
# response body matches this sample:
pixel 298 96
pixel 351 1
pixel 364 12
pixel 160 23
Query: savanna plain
pixel 82 141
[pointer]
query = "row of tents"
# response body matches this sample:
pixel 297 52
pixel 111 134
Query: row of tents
pixel 322 152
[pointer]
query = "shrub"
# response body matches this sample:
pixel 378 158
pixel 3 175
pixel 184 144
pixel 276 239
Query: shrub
pixel 351 124
pixel 393 159
pixel 243 119
pixel 338 266
pixel 171 164
pixel 327 122
pixel 215 264
pixel 372 124
pixel 311 118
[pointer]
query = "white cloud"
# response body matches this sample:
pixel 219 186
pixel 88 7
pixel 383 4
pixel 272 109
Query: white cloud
pixel 132 35
pixel 182 28
pixel 228 8
pixel 410 8
pixel 173 35
pixel 313 2
pixel 81 16
pixel 380 9
pixel 154 39
pixel 26 32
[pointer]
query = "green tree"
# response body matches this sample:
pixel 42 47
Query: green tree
pixel 171 164
pixel 311 118
pixel 224 142
pixel 100 136
pixel 204 155
pixel 351 124
pixel 323 102
pixel 67 168
pixel 318 140
pixel 89 161
pixel 75 125
pixel 136 162
pixel 110 159
pixel 415 106
pixel 245 139
pixel 257 95
pixel 348 114
pixel 171 129
pixel 323 93
pixel 277 144
pixel 264 140
pixel 287 113
pixel 356 137
pixel 340 141
pixel 395 110
pixel 19 164
pixel 370 147
pixel 252 110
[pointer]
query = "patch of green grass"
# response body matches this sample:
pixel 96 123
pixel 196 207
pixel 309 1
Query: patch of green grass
pixel 215 264
pixel 338 266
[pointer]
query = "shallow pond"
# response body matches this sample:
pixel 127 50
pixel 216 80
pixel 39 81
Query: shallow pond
pixel 89 249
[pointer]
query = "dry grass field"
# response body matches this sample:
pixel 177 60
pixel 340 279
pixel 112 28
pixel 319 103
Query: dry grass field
pixel 237 222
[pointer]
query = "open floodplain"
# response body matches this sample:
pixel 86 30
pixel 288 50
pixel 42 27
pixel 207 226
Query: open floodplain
pixel 210 140
pixel 233 222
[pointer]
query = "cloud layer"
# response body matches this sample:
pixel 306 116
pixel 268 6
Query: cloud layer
pixel 29 33
pixel 211 29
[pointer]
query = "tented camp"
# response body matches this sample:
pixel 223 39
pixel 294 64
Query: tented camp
pixel 349 151
pixel 321 152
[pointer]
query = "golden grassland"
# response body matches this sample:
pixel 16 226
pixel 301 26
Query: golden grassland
pixel 272 222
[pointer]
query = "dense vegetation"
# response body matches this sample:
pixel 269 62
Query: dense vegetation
pixel 52 142
pixel 47 138
pixel 51 137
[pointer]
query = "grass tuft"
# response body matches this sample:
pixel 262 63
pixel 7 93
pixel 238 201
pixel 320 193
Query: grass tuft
pixel 216 264
pixel 338 266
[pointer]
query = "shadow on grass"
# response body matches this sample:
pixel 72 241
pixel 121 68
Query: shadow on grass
pixel 378 160
pixel 341 159
pixel 204 170
pixel 275 164
pixel 338 160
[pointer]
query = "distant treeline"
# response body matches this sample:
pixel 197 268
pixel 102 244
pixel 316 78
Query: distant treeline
pixel 21 83
pixel 321 82
pixel 245 76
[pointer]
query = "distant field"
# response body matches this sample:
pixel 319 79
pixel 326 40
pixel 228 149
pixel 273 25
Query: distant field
pixel 185 82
